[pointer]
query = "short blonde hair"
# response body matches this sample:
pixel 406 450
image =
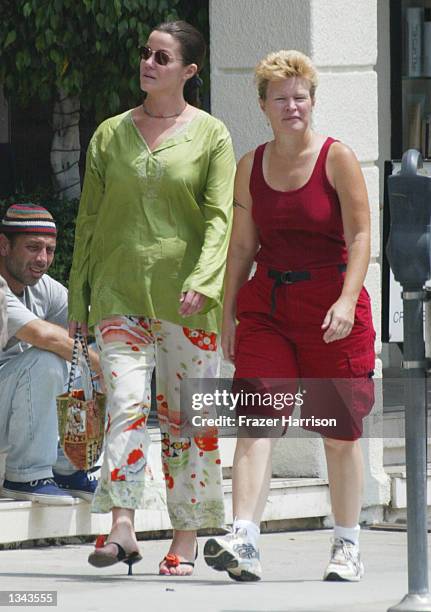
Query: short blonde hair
pixel 283 65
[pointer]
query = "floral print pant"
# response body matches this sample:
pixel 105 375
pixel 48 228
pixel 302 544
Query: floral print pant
pixel 130 347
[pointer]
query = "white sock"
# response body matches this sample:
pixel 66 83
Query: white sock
pixel 348 533
pixel 253 531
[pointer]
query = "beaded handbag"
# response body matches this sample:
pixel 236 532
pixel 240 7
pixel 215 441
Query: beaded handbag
pixel 81 422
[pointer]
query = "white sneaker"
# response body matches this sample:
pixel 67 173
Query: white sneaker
pixel 345 562
pixel 235 554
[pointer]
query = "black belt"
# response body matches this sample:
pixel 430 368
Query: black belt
pixel 291 276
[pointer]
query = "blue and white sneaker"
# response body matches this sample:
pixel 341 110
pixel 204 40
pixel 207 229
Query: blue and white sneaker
pixel 43 491
pixel 345 563
pixel 79 484
pixel 235 554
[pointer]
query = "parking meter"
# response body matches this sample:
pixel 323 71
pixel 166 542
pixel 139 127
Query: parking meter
pixel 409 249
pixel 409 254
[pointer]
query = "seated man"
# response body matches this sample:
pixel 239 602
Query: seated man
pixel 33 368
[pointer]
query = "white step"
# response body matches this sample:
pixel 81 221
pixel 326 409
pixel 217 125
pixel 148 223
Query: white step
pixel 290 498
pixel 396 512
pixel 394 444
pixel 399 485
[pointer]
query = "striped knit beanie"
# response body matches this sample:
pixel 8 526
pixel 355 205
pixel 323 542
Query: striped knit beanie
pixel 28 218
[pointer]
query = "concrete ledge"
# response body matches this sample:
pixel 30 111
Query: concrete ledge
pixel 394 445
pixel 399 486
pixel 305 498
pixel 293 503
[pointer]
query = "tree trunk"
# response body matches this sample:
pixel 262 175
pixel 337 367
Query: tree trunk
pixel 66 148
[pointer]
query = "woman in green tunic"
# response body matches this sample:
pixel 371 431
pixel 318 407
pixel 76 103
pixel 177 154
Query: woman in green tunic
pixel 147 274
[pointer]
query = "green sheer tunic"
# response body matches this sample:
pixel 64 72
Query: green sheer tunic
pixel 153 224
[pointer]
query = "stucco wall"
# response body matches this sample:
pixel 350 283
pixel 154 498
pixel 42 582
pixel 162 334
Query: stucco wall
pixel 242 32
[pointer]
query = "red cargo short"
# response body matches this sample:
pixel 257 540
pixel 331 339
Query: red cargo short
pixel 274 352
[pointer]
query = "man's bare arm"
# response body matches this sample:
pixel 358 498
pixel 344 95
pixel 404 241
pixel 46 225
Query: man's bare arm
pixel 50 337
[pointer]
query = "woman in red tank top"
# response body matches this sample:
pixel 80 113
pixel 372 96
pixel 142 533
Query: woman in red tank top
pixel 302 213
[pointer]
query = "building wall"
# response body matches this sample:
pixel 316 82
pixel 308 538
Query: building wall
pixel 341 38
pixel 383 69
pixel 391 355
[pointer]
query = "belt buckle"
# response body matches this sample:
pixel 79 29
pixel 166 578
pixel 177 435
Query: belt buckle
pixel 284 277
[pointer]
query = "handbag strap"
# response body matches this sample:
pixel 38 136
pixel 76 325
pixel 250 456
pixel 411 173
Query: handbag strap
pixel 77 340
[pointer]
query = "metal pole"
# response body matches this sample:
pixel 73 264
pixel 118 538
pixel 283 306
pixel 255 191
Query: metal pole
pixel 418 598
pixel 411 192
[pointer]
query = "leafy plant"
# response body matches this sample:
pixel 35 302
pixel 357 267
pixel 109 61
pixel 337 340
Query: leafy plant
pixel 87 49
pixel 82 57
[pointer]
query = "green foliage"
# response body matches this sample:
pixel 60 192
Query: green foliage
pixel 65 216
pixel 84 48
pixel 87 48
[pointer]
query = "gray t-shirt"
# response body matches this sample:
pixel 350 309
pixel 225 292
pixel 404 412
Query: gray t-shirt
pixel 46 300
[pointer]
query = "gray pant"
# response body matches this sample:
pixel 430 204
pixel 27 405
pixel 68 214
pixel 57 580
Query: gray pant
pixel 29 384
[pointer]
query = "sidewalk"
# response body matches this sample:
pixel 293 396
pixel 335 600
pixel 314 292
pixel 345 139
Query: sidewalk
pixel 293 564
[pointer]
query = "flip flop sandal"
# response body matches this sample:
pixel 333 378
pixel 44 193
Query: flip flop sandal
pixel 172 560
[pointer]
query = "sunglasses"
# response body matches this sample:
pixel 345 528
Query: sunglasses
pixel 161 57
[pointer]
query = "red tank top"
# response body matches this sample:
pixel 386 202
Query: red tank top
pixel 299 229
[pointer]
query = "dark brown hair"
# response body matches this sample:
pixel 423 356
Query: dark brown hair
pixel 193 51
